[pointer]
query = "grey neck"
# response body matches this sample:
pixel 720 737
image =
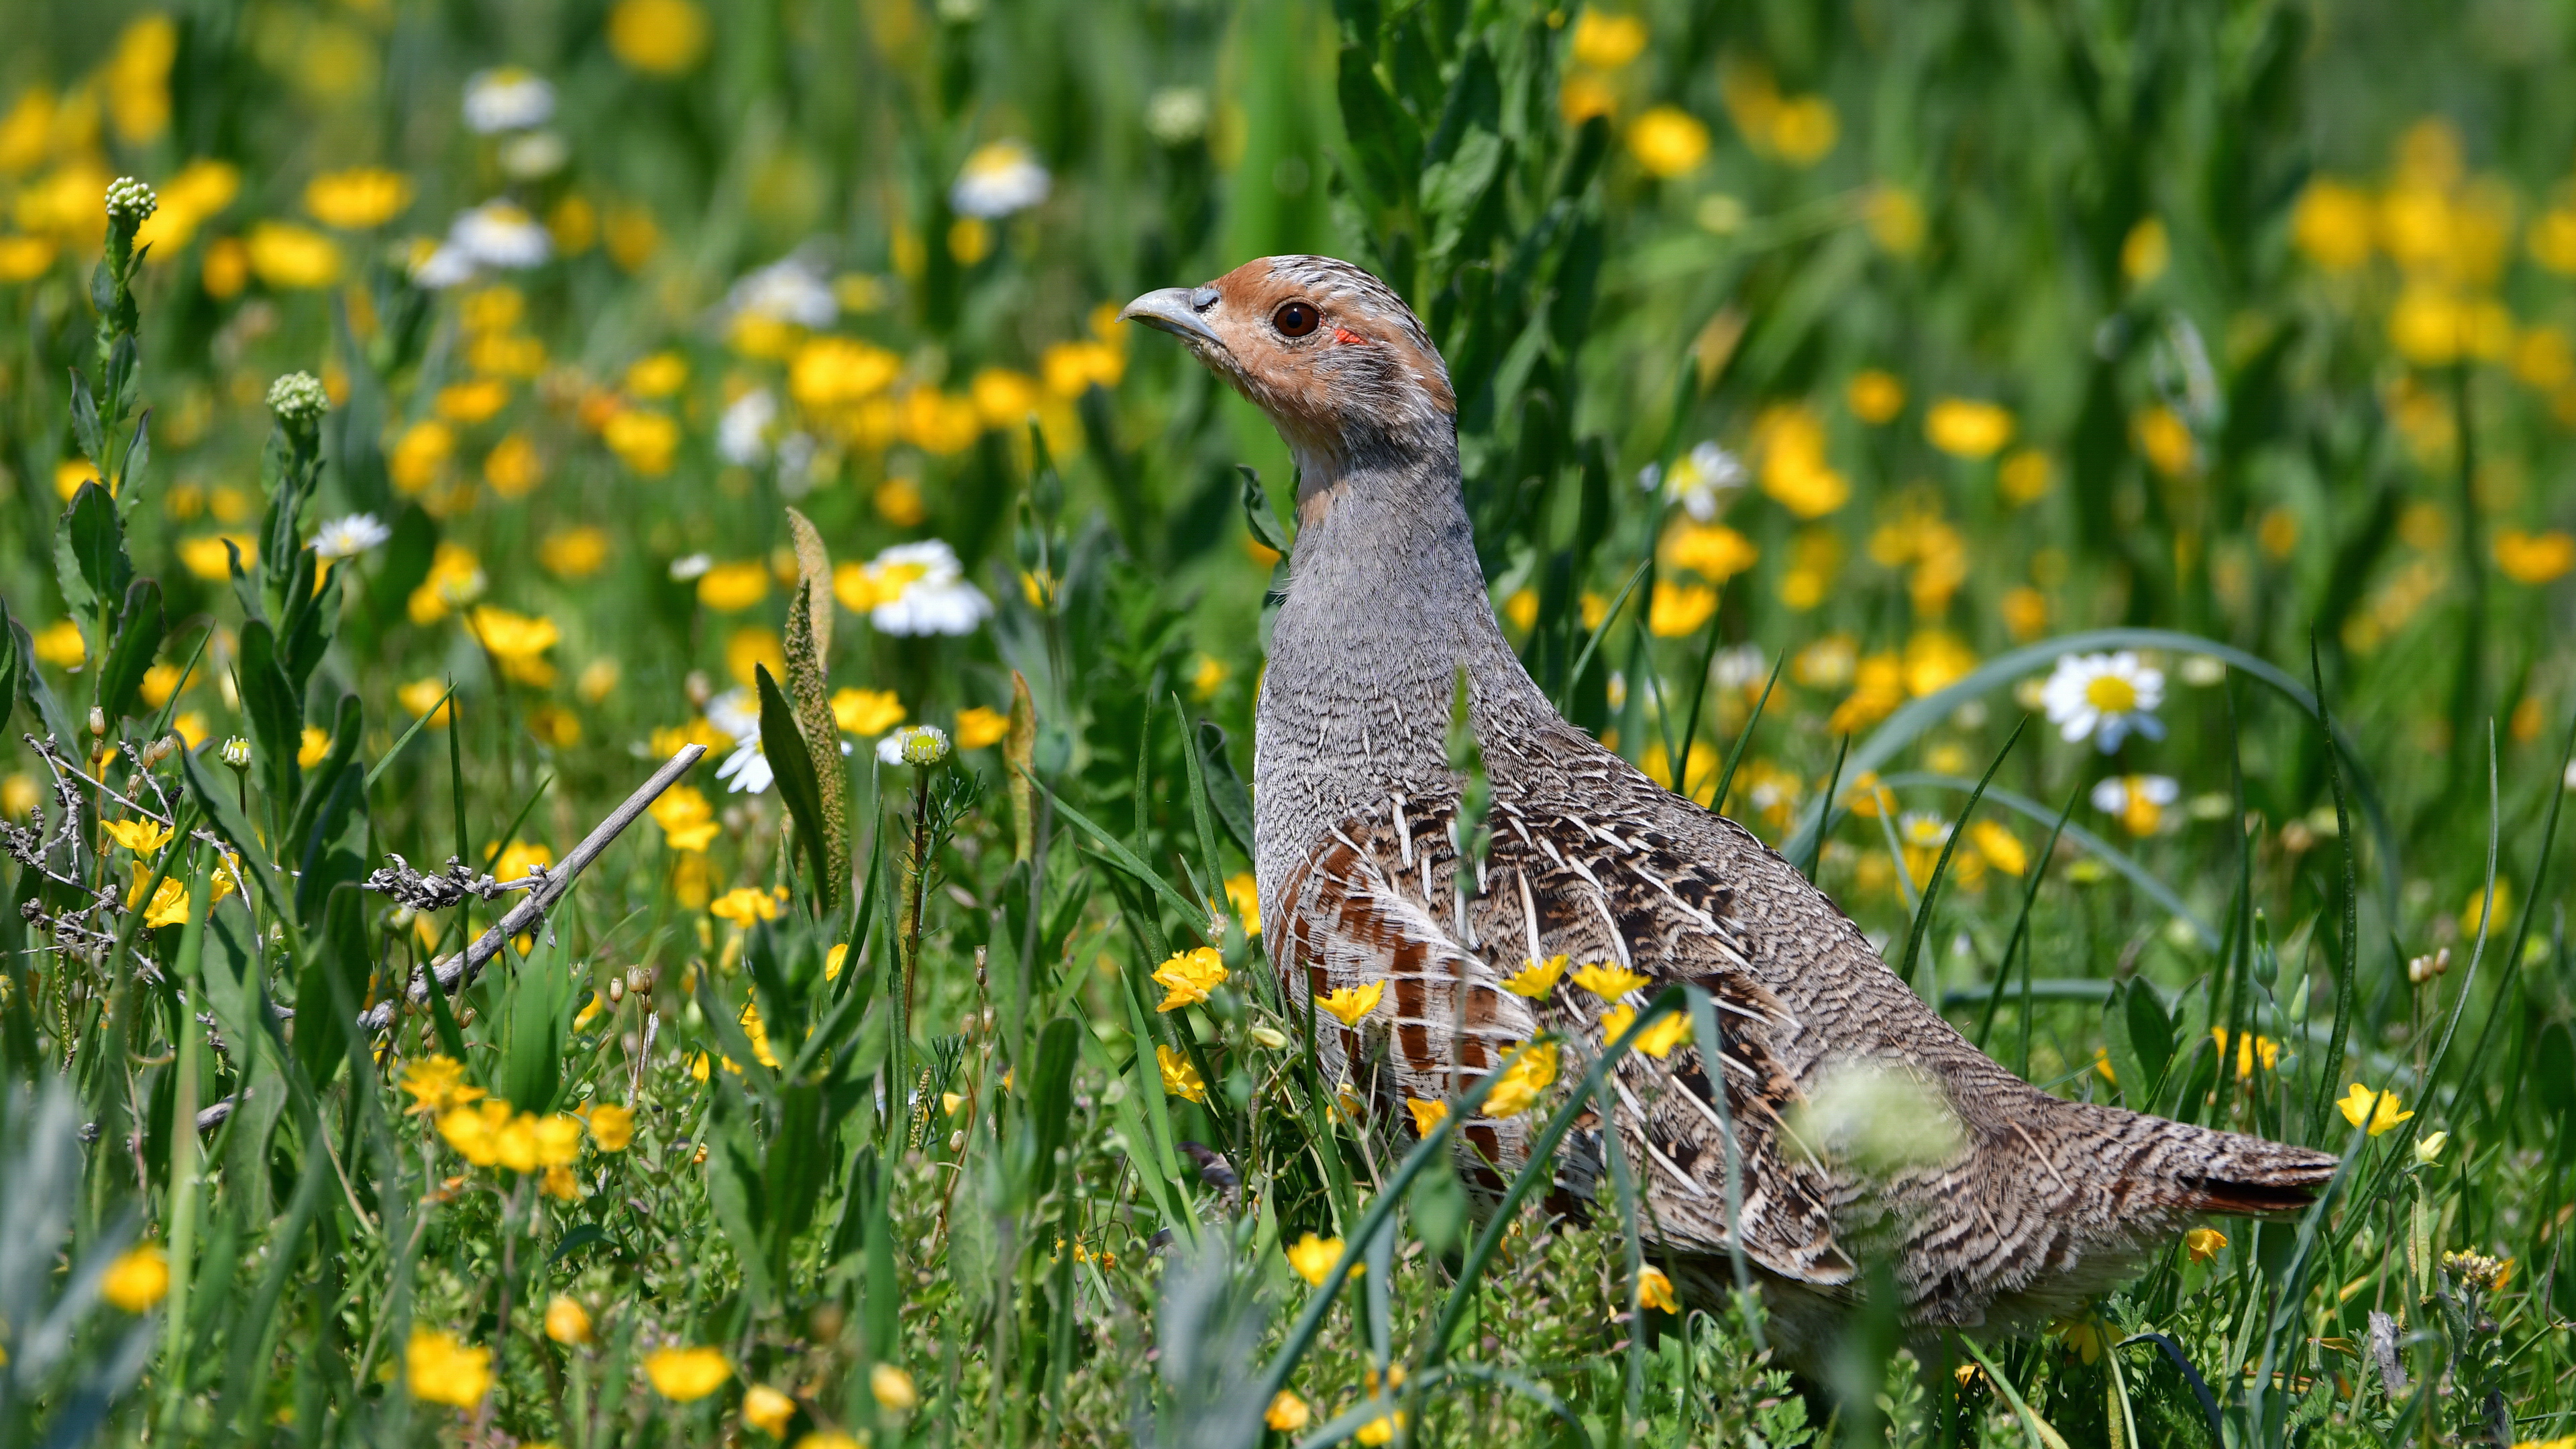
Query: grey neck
pixel 1385 602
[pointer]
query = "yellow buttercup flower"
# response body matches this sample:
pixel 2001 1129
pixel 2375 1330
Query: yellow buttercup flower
pixel 743 905
pixel 518 642
pixel 143 837
pixel 1180 1077
pixel 1537 978
pixel 612 1126
pixel 1531 1073
pixel 567 1322
pixel 1243 893
pixel 444 1370
pixel 1314 1257
pixel 687 821
pixel 139 1278
pixel 2535 558
pixel 1607 42
pixel 1874 395
pixel 662 37
pixel 730 588
pixel 1668 141
pixel 1711 550
pixel 1607 981
pixel 1677 609
pixel 768 1410
pixel 1426 1115
pixel 1189 976
pixel 2203 1243
pixel 1668 1031
pixel 980 728
pixel 1967 428
pixel 437 1084
pixel 893 1389
pixel 1654 1290
pixel 1350 1003
pixel 685 1375
pixel 2377 1110
pixel 869 712
pixel 357 200
pixel 1287 1413
pixel 2249 1051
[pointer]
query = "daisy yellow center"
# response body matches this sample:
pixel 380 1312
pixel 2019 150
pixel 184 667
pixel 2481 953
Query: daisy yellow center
pixel 2111 694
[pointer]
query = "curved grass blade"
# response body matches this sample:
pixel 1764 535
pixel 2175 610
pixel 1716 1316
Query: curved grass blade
pixel 1917 716
pixel 2021 934
pixel 1941 867
pixel 2103 850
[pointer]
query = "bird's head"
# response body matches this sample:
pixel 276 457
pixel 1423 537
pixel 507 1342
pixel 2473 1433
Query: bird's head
pixel 1335 358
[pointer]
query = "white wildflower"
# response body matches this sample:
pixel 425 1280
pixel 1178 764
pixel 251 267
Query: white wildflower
pixel 690 566
pixel 742 433
pixel 920 588
pixel 500 234
pixel 999 179
pixel 442 266
pixel 736 713
pixel 791 290
pixel 350 536
pixel 1704 480
pixel 2104 696
pixel 746 771
pixel 2140 801
pixel 1739 667
pixel 534 155
pixel 914 745
pixel 507 99
pixel 1177 115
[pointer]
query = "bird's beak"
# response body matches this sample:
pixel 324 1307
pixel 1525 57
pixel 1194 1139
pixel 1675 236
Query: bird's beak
pixel 1176 310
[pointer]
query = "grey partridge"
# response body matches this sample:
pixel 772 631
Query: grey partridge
pixel 2001 1206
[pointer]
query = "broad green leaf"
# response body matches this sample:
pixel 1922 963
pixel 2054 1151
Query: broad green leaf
pixel 139 631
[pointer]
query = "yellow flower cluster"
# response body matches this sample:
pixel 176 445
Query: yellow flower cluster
pixel 1189 976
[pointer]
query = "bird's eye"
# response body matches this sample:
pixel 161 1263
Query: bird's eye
pixel 1295 319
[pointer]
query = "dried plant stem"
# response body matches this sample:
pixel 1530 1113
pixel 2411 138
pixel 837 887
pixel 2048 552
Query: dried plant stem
pixel 455 973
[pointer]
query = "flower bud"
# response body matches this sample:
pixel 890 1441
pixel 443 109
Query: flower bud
pixel 97 720
pixel 130 201
pixel 236 753
pixel 1269 1036
pixel 2428 1149
pixel 298 400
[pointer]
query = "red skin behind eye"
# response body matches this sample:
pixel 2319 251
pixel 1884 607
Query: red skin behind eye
pixel 1347 337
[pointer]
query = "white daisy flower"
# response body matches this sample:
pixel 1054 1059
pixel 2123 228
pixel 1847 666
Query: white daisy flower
pixel 742 433
pixel 1704 480
pixel 913 745
pixel 2104 696
pixel 533 155
pixel 1177 115
pixel 507 99
pixel 746 771
pixel 791 290
pixel 736 713
pixel 1739 667
pixel 920 588
pixel 350 536
pixel 999 179
pixel 2139 801
pixel 1922 829
pixel 690 566
pixel 500 234
pixel 441 267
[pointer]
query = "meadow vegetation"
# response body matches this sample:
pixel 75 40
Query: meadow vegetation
pixel 628 707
